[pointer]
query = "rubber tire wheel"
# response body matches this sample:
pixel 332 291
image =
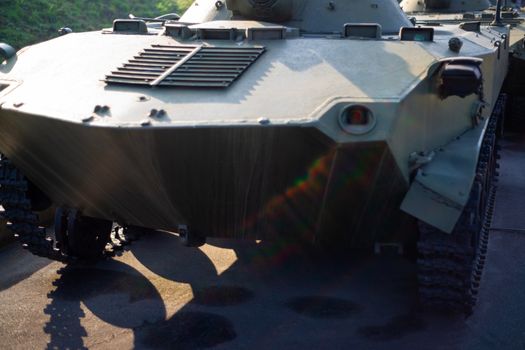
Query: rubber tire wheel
pixel 86 236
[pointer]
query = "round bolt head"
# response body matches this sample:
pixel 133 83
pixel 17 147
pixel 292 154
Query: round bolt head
pixel 263 121
pixel 153 113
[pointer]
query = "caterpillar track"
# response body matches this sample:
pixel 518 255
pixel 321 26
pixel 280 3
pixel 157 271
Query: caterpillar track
pixel 450 266
pixel 25 224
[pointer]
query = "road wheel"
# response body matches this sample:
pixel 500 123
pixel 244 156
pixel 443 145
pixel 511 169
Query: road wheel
pixel 86 236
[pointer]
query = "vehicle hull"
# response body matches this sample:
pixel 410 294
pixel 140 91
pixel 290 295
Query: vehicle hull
pixel 240 182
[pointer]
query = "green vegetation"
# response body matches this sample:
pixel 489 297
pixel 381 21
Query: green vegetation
pixel 24 22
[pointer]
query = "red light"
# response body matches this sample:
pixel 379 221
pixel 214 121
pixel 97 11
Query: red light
pixel 357 116
pixel 357 120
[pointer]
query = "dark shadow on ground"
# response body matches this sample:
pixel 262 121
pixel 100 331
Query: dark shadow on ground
pixel 275 287
pixel 121 296
pixel 273 296
pixel 186 330
pixel 115 292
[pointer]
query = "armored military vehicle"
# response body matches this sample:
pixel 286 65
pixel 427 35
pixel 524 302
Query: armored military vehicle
pixel 338 123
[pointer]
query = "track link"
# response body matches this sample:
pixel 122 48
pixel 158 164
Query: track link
pixel 25 224
pixel 450 266
pixel 20 218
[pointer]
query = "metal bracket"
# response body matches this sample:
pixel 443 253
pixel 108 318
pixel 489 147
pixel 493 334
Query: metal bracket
pixel 190 237
pixel 418 159
pixel 477 112
pixel 183 230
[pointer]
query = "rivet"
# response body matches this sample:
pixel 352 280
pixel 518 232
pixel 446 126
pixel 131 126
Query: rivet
pixel 105 109
pixel 145 123
pixel 263 121
pixel 161 113
pixel 143 98
pixel 153 113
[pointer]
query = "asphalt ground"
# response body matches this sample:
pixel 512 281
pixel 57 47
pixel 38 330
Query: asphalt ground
pixel 250 295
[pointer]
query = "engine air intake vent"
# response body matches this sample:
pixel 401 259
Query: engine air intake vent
pixel 186 66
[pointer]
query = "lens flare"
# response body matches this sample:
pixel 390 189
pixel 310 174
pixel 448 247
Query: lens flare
pixel 295 216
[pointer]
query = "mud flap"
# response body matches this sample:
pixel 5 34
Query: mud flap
pixel 441 188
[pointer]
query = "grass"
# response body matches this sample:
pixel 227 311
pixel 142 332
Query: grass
pixel 25 22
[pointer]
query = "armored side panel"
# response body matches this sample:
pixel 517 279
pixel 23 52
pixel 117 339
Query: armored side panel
pixel 471 20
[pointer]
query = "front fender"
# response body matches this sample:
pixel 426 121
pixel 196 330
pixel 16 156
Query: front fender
pixel 441 188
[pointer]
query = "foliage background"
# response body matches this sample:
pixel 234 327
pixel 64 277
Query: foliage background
pixel 25 22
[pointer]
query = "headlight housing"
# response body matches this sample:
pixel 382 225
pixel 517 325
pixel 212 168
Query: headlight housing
pixel 357 120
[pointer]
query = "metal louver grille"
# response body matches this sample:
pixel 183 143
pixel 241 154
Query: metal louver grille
pixel 148 65
pixel 186 66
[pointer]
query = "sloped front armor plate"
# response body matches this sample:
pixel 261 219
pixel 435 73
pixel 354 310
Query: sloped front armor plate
pixel 186 66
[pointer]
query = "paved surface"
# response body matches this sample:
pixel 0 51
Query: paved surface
pixel 240 295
